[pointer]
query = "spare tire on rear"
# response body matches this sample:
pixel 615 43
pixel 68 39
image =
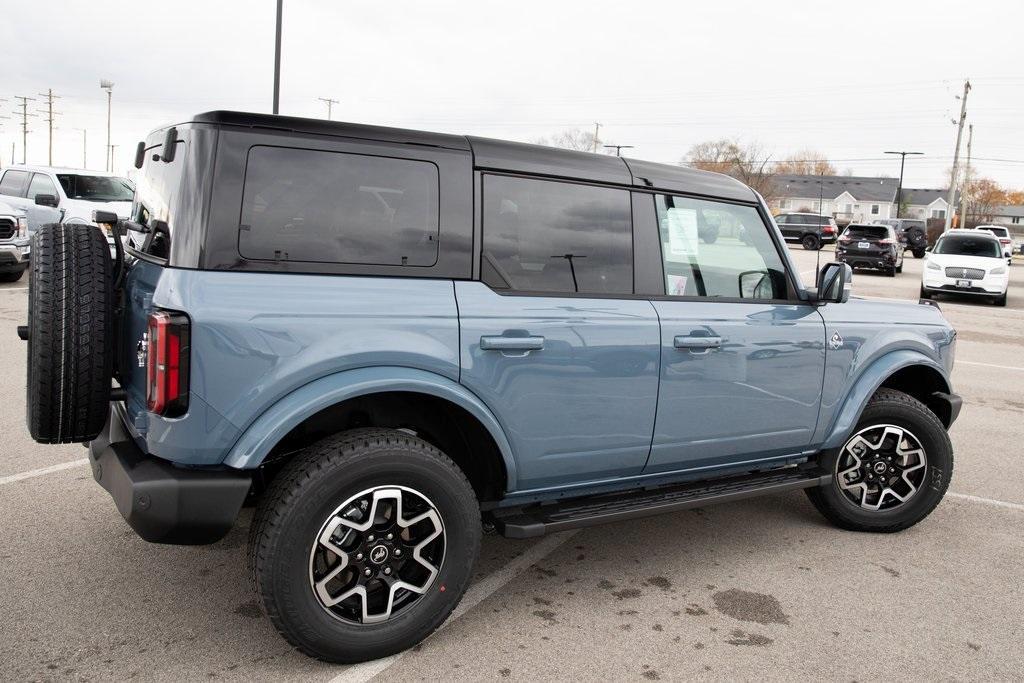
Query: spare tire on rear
pixel 70 333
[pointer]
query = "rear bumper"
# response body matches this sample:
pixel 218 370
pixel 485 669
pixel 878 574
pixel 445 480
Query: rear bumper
pixel 161 502
pixel 881 261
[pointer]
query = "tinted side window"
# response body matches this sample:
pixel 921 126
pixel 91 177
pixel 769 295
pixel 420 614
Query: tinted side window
pixel 546 236
pixel 784 218
pixel 41 184
pixel 13 183
pixel 332 207
pixel 739 262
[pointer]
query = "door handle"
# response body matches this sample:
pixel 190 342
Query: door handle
pixel 499 343
pixel 704 344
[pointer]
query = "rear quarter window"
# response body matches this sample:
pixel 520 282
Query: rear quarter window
pixel 334 207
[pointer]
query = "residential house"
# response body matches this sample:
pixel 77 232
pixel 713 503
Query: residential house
pixel 925 203
pixel 1009 215
pixel 855 199
pixel 848 198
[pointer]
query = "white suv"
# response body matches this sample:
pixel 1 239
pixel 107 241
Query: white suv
pixel 966 262
pixel 1003 235
pixel 63 195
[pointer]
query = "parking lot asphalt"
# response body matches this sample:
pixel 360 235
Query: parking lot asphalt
pixel 762 589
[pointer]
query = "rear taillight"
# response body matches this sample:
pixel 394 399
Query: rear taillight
pixel 828 229
pixel 844 239
pixel 887 241
pixel 167 363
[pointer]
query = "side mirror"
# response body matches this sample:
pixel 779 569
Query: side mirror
pixel 170 143
pixel 755 284
pixel 46 200
pixel 104 217
pixel 834 283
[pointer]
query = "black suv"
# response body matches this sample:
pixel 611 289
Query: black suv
pixel 871 246
pixel 809 229
pixel 913 232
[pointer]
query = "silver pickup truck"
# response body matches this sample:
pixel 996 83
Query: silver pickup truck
pixel 14 244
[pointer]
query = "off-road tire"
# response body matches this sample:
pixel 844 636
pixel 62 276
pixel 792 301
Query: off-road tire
pixel 811 242
pixel 70 338
pixel 889 406
pixel 919 253
pixel 307 490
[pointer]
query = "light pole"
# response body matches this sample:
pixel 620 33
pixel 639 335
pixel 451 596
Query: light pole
pixel 277 59
pixel 618 148
pixel 85 147
pixel 109 87
pixel 899 187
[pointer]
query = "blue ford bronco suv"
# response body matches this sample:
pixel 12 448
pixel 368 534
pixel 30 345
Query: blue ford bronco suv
pixel 390 341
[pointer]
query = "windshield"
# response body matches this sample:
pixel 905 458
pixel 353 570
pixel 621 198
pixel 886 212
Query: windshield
pixel 866 232
pixel 96 188
pixel 969 246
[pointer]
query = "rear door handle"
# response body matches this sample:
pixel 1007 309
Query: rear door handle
pixel 697 343
pixel 511 343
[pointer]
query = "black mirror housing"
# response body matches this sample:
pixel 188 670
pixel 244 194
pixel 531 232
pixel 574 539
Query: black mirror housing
pixel 834 283
pixel 170 143
pixel 104 217
pixel 46 200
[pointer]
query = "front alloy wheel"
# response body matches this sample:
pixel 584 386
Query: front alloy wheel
pixel 377 554
pixel 881 467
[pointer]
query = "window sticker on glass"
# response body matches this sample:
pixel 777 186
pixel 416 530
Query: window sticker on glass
pixel 682 232
pixel 677 285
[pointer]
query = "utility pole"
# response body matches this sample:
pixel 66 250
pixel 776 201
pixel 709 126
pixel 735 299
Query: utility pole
pixel 956 157
pixel 618 148
pixel 85 147
pixel 967 178
pixel 50 97
pixel 597 138
pixel 109 87
pixel 112 149
pixel 277 59
pixel 4 99
pixel 24 126
pixel 899 187
pixel 328 101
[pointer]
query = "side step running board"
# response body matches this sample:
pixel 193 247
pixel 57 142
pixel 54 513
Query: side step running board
pixel 539 519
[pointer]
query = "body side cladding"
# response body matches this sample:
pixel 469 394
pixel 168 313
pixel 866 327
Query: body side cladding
pixel 291 410
pixel 869 381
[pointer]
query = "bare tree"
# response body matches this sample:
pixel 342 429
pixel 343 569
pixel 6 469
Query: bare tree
pixel 574 138
pixel 749 163
pixel 806 162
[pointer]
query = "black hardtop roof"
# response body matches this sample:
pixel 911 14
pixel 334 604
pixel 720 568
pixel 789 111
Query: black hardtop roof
pixel 511 157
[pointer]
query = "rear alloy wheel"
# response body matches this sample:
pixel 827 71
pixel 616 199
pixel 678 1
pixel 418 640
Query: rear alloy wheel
pixel 891 472
pixel 364 544
pixel 811 242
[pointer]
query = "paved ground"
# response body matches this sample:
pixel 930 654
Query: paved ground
pixel 759 589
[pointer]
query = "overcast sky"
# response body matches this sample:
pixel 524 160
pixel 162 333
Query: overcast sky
pixel 849 79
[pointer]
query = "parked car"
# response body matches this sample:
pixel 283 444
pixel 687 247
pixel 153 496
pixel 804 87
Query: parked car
pixel 809 229
pixel 388 340
pixel 871 246
pixel 913 232
pixel 966 262
pixel 1003 235
pixel 65 195
pixel 14 245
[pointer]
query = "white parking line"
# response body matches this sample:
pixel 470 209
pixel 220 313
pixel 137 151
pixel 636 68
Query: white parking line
pixel 43 470
pixel 360 673
pixel 989 365
pixel 988 501
pixel 13 289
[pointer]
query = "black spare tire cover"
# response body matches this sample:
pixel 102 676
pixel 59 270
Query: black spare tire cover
pixel 70 333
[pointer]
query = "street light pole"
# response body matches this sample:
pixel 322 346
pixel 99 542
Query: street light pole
pixel 618 148
pixel 85 147
pixel 109 87
pixel 899 187
pixel 277 59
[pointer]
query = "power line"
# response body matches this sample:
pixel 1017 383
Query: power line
pixel 328 101
pixel 50 97
pixel 24 125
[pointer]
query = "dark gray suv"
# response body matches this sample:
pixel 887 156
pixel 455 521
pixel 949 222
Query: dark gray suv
pixel 809 229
